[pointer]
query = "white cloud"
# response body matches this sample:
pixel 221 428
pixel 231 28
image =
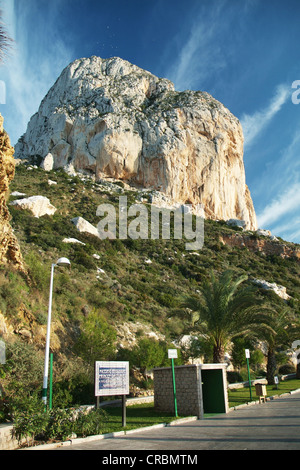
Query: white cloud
pixel 198 58
pixel 286 204
pixel 29 72
pixel 255 123
pixel 201 54
pixel 288 231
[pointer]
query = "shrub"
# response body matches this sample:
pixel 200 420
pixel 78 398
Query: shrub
pixel 39 272
pixel 148 353
pixel 28 416
pixel 287 369
pixel 60 425
pixel 234 377
pixel 97 339
pixel 34 423
pixel 24 367
pixel 90 423
pixel 78 389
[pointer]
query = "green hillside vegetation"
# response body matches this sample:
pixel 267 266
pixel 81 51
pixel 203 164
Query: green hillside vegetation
pixel 86 300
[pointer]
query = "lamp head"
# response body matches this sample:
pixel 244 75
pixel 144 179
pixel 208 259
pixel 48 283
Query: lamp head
pixel 63 262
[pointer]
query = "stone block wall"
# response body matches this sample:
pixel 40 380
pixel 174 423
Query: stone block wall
pixel 7 442
pixel 187 390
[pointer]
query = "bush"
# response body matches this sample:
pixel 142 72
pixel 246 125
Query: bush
pixel 234 377
pixel 28 416
pixel 147 354
pixel 34 423
pixel 90 423
pixel 39 272
pixel 23 369
pixel 78 389
pixel 97 339
pixel 60 426
pixel 287 369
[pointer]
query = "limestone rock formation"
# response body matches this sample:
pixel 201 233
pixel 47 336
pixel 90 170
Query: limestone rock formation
pixel 38 205
pixel 266 245
pixel 84 226
pixel 9 247
pixel 115 119
pixel 279 290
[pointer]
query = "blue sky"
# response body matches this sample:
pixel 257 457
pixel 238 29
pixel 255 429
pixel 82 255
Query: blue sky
pixel 244 52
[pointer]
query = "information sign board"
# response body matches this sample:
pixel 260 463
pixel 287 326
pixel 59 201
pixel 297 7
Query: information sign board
pixel 172 353
pixel 111 378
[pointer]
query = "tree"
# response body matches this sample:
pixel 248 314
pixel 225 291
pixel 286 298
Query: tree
pixel 238 353
pixel 285 328
pixel 97 339
pixel 224 311
pixel 149 353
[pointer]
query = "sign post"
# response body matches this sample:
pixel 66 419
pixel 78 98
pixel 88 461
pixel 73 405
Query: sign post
pixel 247 353
pixel 112 378
pixel 172 354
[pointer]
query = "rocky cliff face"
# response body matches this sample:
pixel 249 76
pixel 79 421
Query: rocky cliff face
pixel 9 247
pixel 261 244
pixel 114 119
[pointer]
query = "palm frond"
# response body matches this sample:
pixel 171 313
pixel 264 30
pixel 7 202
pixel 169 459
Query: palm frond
pixel 224 309
pixel 5 41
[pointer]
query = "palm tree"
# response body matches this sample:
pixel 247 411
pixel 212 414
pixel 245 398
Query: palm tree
pixel 224 311
pixel 285 329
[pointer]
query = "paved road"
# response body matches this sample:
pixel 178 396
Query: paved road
pixel 274 425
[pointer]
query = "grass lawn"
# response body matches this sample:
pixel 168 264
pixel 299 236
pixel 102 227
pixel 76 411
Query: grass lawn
pixel 137 416
pixel 242 395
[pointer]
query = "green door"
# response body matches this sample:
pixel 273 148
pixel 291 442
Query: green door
pixel 213 391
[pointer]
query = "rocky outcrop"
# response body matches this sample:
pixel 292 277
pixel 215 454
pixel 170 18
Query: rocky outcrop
pixel 265 245
pixel 9 247
pixel 114 119
pixel 272 286
pixel 84 226
pixel 38 205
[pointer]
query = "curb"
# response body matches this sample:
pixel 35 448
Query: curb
pixel 111 435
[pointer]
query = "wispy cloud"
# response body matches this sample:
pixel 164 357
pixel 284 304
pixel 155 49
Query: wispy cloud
pixel 255 123
pixel 287 204
pixel 279 184
pixel 29 73
pixel 198 57
pixel 290 230
pixel 206 44
pixel 200 52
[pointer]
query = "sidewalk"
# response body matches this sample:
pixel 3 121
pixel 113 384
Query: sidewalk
pixel 273 425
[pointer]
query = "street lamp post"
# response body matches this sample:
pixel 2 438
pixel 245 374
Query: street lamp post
pixel 60 262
